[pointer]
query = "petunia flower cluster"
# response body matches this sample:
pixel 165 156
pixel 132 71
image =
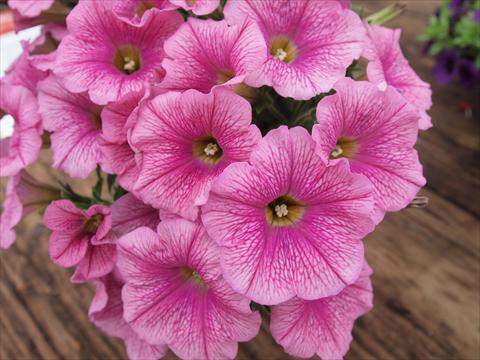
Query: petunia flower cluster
pixel 243 150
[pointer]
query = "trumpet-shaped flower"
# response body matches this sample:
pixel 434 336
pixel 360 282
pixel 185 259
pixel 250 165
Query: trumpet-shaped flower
pixel 23 146
pixel 81 238
pixel 108 57
pixel 75 124
pixel 375 130
pixel 324 326
pixel 310 45
pixel 387 65
pixel 174 292
pixel 288 224
pixel 186 140
pixel 204 54
pixel 23 195
pixel 106 312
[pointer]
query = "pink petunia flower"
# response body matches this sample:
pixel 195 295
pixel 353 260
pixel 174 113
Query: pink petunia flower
pixel 174 292
pixel 129 213
pixel 23 147
pixel 324 326
pixel 108 57
pixel 388 66
pixel 135 12
pixel 106 312
pixel 81 238
pixel 375 130
pixel 310 46
pixel 30 8
pixel 118 119
pixel 198 7
pixel 186 140
pixel 23 195
pixel 23 72
pixel 288 224
pixel 29 13
pixel 204 54
pixel 75 124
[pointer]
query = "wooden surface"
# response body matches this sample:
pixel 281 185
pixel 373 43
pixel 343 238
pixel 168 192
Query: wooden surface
pixel 426 262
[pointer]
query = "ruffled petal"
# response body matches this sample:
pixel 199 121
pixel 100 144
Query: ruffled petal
pixel 305 328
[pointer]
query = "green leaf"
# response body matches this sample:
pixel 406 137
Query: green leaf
pixel 477 61
pixel 436 48
pixel 111 181
pixel 119 192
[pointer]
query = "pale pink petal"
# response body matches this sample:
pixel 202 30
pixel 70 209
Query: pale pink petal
pixel 129 213
pixel 120 159
pixel 106 312
pixel 67 249
pixel 137 349
pixel 198 7
pixel 75 125
pixel 23 147
pixel 64 216
pixel 135 12
pixel 23 72
pixel 30 8
pixel 98 261
pixel 305 328
pixel 11 214
pixel 118 117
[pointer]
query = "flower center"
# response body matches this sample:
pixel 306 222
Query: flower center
pixel 284 211
pixel 142 7
pixel 241 89
pixel 191 2
pixel 345 147
pixel 191 275
pixel 91 225
pixel 208 150
pixel 127 59
pixel 283 49
pixel 224 76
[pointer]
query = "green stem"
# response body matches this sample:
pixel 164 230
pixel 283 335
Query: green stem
pixel 386 14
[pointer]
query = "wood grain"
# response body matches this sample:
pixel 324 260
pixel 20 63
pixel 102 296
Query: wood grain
pixel 426 262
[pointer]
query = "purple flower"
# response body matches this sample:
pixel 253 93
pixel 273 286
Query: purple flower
pixel 476 16
pixel 457 8
pixel 467 72
pixel 446 66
